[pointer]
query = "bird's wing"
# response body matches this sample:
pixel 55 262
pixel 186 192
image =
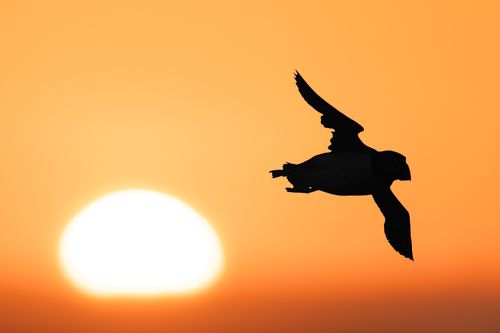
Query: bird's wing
pixel 397 221
pixel 346 129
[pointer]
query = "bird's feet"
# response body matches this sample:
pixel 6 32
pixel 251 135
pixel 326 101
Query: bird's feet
pixel 300 189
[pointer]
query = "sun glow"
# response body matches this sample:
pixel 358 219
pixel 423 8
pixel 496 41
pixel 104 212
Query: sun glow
pixel 139 242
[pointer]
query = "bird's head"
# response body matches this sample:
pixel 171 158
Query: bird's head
pixel 392 166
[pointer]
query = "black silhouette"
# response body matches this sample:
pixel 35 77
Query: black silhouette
pixel 353 168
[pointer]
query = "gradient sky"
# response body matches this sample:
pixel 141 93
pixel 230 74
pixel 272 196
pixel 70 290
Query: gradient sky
pixel 197 100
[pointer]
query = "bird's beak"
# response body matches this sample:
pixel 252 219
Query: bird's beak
pixel 406 175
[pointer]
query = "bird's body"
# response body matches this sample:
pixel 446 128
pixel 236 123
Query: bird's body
pixel 353 168
pixel 340 173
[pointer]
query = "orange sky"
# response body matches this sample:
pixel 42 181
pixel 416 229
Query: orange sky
pixel 197 100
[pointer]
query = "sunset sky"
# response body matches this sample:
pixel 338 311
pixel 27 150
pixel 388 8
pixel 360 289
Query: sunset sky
pixel 197 100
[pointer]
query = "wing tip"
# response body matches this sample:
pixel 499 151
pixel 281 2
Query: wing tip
pixel 297 75
pixel 408 253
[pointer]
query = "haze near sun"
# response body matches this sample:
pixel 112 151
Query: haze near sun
pixel 139 242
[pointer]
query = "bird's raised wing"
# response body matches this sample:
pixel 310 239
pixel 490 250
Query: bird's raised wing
pixel 346 129
pixel 397 221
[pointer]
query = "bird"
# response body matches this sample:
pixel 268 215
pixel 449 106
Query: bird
pixel 350 168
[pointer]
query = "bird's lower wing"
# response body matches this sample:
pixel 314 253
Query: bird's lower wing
pixel 397 221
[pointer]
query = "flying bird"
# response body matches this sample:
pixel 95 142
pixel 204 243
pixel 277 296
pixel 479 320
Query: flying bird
pixel 352 168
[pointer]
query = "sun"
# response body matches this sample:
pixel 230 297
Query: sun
pixel 140 242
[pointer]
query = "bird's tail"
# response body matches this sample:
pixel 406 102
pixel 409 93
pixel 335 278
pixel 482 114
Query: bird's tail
pixel 287 167
pixel 277 173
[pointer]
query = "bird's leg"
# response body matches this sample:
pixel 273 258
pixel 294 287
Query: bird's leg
pixel 305 189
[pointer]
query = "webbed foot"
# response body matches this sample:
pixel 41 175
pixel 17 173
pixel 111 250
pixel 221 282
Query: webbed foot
pixel 300 189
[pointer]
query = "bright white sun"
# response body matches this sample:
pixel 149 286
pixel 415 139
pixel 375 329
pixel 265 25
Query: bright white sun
pixel 139 242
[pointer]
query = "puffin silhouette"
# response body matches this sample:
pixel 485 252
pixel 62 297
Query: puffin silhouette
pixel 353 168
